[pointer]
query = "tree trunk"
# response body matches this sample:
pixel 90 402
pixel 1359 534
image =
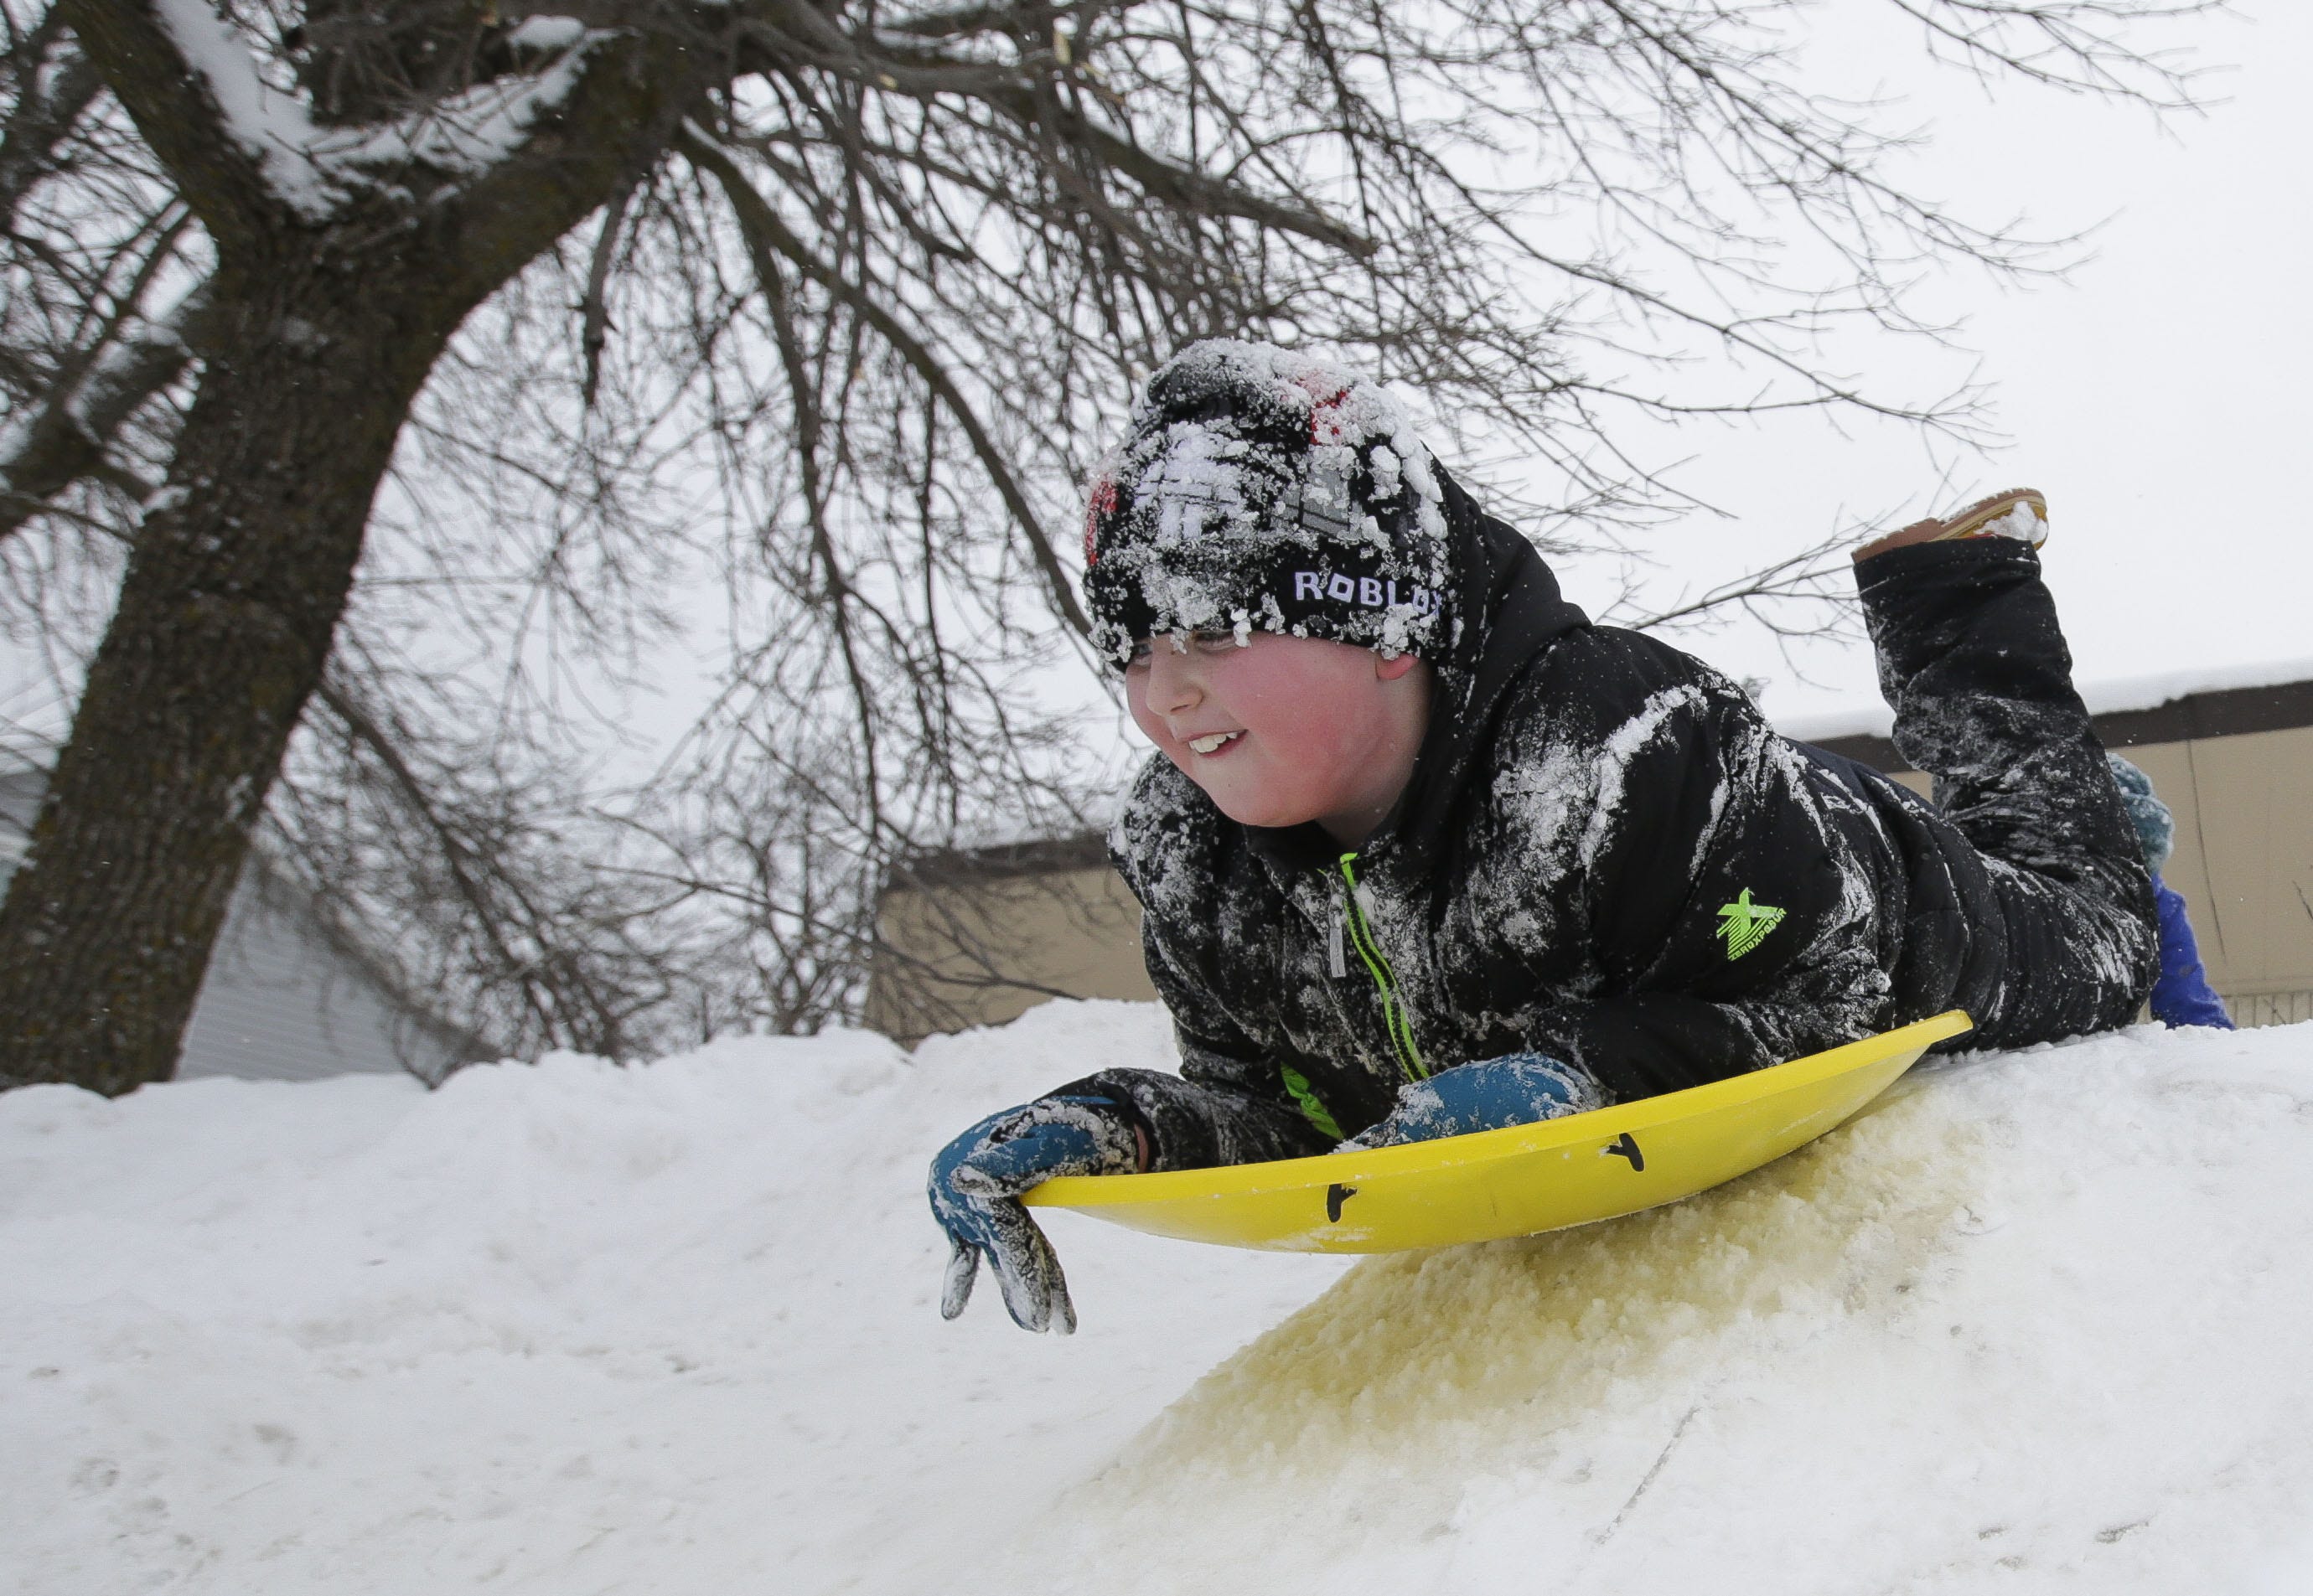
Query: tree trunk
pixel 224 619
pixel 323 329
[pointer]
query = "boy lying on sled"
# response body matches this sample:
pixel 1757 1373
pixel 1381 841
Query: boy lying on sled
pixel 1426 852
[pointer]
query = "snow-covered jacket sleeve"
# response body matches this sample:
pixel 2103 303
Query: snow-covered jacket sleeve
pixel 1232 1101
pixel 1228 1105
pixel 1688 851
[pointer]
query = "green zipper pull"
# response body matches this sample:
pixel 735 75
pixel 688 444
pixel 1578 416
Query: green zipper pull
pixel 1392 1009
pixel 1312 1108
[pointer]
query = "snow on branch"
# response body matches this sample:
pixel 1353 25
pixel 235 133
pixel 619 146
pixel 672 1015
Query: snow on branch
pixel 46 446
pixel 271 125
pixel 547 33
pixel 315 170
pixel 466 133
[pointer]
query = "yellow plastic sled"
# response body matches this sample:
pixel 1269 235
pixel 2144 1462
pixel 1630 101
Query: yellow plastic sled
pixel 1514 1182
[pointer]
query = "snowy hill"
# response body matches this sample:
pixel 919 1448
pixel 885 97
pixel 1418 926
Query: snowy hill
pixel 2038 1321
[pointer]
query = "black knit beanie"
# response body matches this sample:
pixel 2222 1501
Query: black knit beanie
pixel 1258 489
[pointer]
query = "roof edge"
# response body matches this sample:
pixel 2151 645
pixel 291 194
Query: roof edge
pixel 2228 712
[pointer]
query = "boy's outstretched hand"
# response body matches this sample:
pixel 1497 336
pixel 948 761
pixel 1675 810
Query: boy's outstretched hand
pixel 975 1188
pixel 1490 1094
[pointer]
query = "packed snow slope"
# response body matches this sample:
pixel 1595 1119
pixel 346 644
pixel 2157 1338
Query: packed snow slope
pixel 2037 1322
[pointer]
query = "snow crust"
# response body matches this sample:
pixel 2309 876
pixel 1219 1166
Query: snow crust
pixel 2035 1322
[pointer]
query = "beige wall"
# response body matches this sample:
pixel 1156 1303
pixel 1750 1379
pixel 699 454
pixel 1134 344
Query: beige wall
pixel 2244 861
pixel 981 955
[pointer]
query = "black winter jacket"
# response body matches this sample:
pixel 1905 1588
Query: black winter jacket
pixel 1605 854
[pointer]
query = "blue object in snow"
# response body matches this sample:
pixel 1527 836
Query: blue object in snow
pixel 2181 996
pixel 1492 1094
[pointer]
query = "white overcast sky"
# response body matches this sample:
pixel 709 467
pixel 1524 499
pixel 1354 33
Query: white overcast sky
pixel 2157 396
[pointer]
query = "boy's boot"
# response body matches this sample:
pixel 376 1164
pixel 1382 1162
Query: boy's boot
pixel 2019 512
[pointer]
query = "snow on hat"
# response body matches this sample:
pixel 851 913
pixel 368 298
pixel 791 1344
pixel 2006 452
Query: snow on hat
pixel 1258 488
pixel 2156 828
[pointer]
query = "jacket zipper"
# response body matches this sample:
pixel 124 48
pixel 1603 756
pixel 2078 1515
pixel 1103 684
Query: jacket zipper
pixel 1393 1008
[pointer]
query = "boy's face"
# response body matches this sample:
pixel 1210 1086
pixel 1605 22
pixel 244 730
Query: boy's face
pixel 1282 730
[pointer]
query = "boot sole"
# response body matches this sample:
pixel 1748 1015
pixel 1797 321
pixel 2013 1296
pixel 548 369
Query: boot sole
pixel 1972 522
pixel 1969 523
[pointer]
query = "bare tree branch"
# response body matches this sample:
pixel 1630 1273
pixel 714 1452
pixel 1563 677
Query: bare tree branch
pixel 765 232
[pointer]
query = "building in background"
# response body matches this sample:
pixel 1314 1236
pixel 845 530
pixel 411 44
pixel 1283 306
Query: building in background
pixel 980 936
pixel 975 938
pixel 287 996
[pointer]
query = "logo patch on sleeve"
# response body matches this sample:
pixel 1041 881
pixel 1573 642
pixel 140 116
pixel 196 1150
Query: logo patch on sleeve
pixel 1745 923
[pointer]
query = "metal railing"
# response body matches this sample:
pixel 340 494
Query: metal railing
pixel 2254 1008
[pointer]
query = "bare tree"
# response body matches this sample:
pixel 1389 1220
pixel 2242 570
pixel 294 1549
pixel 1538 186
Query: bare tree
pixel 353 227
pixel 867 284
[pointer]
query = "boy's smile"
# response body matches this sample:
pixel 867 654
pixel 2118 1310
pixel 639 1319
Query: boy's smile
pixel 1279 730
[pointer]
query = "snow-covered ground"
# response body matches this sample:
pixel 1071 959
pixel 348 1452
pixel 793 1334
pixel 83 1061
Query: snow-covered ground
pixel 2037 1322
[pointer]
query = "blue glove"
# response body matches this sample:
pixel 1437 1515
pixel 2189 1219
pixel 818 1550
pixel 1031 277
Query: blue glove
pixel 1492 1094
pixel 975 1188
